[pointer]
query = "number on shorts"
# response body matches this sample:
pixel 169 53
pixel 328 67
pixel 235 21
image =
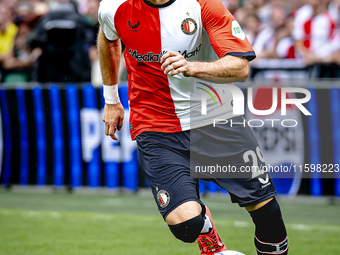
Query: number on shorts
pixel 251 155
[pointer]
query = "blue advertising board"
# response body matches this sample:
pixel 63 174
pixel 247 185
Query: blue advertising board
pixel 57 136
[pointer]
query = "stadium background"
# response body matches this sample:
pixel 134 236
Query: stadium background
pixel 60 174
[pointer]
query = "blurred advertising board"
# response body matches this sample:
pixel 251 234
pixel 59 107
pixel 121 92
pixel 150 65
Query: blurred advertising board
pixel 54 135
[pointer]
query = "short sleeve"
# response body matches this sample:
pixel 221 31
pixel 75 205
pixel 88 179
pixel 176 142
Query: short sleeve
pixel 106 14
pixel 225 34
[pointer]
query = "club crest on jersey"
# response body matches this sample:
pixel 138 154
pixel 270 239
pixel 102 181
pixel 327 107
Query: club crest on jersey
pixel 189 26
pixel 163 198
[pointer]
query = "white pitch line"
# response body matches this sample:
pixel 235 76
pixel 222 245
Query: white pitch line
pixel 55 214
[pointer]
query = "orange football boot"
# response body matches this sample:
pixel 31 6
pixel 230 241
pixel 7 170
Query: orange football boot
pixel 210 243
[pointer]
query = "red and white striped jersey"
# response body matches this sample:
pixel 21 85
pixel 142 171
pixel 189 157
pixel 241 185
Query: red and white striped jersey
pixel 302 15
pixel 317 33
pixel 285 48
pixel 201 30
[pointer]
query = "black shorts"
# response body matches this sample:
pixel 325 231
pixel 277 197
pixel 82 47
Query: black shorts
pixel 166 159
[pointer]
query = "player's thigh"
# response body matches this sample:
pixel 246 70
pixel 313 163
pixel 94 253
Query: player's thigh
pixel 257 206
pixel 165 160
pixel 184 212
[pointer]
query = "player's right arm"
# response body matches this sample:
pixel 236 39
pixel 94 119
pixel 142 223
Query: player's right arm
pixel 109 57
pixel 109 50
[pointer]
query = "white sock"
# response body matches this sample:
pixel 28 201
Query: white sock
pixel 207 225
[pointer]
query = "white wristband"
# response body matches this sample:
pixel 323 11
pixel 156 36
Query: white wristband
pixel 111 95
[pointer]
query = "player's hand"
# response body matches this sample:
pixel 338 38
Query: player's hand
pixel 174 63
pixel 113 117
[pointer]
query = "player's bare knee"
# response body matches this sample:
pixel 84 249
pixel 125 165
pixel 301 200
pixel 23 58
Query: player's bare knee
pixel 184 212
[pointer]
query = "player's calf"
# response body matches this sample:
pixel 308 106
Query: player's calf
pixel 270 232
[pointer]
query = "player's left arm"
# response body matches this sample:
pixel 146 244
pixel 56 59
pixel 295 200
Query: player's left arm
pixel 229 43
pixel 223 70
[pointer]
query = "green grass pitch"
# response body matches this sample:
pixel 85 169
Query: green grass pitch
pixel 125 224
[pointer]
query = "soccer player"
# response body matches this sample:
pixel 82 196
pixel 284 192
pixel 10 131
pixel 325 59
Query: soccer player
pixel 170 46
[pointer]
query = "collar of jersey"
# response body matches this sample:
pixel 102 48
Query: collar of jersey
pixel 159 5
